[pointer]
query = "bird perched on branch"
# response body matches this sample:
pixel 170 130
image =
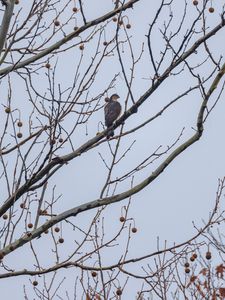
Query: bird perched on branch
pixel 112 112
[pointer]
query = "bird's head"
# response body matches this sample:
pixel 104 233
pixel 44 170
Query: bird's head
pixel 114 97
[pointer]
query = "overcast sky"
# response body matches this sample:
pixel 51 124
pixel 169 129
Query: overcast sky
pixel 184 193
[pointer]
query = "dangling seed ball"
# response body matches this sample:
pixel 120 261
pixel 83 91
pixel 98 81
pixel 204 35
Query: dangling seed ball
pixel 134 229
pixel 19 124
pixel 56 229
pixel 52 142
pixel 19 135
pixel 81 47
pixel 22 205
pixel 7 110
pixel 47 65
pixel 122 219
pixel 5 216
pixel 119 292
pixel 93 274
pixel 211 10
pixel 56 22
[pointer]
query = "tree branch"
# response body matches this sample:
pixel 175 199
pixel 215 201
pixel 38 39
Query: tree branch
pixel 59 161
pixel 67 38
pixel 113 199
pixel 9 5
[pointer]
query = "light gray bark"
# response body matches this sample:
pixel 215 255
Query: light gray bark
pixel 9 5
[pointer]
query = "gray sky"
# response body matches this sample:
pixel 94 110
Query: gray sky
pixel 182 194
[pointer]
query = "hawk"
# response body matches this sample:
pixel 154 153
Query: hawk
pixel 112 112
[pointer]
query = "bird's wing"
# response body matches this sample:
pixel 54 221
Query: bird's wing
pixel 112 112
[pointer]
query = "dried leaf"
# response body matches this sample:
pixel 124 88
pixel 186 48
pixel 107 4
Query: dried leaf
pixel 222 292
pixel 88 297
pixel 220 270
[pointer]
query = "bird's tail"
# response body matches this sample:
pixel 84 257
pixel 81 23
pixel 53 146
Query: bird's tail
pixel 110 134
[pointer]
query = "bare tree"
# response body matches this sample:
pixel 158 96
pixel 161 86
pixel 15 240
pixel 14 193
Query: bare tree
pixel 60 63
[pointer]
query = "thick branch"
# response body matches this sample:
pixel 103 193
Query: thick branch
pixel 113 199
pixel 38 133
pixel 120 263
pixel 67 38
pixel 90 143
pixel 9 5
